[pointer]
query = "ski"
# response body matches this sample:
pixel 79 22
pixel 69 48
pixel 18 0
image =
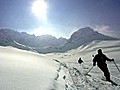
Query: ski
pixel 113 83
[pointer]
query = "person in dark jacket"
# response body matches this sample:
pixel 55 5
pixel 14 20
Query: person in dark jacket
pixel 101 58
pixel 80 61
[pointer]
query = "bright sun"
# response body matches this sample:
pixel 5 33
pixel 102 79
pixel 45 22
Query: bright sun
pixel 39 9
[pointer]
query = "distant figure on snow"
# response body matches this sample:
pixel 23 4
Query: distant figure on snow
pixel 101 58
pixel 80 61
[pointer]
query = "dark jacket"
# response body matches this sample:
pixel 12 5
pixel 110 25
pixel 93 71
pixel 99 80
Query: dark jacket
pixel 100 59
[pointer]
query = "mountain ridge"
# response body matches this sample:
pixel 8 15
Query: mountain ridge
pixel 48 43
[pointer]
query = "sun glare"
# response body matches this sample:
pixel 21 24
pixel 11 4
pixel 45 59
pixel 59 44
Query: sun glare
pixel 44 31
pixel 39 9
pixel 39 31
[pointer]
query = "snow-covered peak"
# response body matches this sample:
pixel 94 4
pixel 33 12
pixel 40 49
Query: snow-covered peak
pixel 83 36
pixel 83 32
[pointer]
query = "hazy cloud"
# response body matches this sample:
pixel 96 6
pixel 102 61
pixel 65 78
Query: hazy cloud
pixel 105 29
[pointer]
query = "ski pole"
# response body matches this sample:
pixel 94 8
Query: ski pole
pixel 90 69
pixel 116 66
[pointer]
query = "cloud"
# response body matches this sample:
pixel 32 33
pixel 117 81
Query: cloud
pixel 104 29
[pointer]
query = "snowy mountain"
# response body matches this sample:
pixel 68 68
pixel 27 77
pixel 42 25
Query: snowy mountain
pixel 83 36
pixel 48 43
pixel 26 41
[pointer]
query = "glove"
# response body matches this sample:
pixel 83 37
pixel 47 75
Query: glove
pixel 112 59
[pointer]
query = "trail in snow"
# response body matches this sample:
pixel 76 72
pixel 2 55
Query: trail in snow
pixel 58 82
pixel 78 80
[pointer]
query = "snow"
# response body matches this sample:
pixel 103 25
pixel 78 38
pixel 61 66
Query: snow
pixel 25 70
pixel 78 80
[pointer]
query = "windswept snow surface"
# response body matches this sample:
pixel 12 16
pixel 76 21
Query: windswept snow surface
pixel 75 74
pixel 24 70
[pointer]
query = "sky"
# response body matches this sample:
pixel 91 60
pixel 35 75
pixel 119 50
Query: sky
pixel 60 18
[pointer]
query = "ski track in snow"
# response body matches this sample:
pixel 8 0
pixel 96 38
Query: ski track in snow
pixel 77 80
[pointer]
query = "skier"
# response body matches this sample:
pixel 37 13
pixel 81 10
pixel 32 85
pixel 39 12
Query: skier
pixel 80 61
pixel 101 58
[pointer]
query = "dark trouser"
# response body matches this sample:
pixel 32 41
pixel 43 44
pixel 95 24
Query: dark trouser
pixel 105 71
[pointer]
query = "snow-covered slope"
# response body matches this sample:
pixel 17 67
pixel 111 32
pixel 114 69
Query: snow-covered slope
pixel 23 70
pixel 75 73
